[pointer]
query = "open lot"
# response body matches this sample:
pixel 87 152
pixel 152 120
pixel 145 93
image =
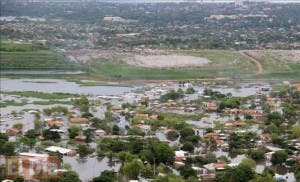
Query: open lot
pixel 168 61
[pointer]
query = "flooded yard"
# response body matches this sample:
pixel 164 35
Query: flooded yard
pixel 58 85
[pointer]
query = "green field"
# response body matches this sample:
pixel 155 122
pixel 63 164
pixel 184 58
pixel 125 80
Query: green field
pixel 32 57
pixel 40 95
pixel 223 64
pixel 278 69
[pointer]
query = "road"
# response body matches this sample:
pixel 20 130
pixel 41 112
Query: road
pixel 255 60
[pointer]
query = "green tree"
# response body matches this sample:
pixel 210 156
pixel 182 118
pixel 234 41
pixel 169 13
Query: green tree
pixel 69 176
pixel 257 154
pixel 188 146
pixel 190 90
pixel 115 130
pixel 248 162
pixel 132 169
pixel 83 150
pixel 296 131
pixel 51 135
pixel 106 176
pixel 187 171
pixel 8 149
pixel 279 157
pixel 73 131
pixel 28 141
pixel 263 178
pixel 240 173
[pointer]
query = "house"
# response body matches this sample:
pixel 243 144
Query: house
pixel 13 132
pixel 170 104
pixel 213 135
pixel 53 123
pixel 154 116
pixel 178 164
pixel 215 166
pixel 27 154
pixel 190 109
pixel 274 103
pixel 100 133
pixel 113 18
pixel 143 127
pixel 116 108
pixel 63 151
pixel 181 153
pixel 297 86
pixel 235 111
pixel 78 120
pixel 210 106
pixel 80 138
pixel 207 173
pixel 256 114
pixel 141 116
pixel 234 124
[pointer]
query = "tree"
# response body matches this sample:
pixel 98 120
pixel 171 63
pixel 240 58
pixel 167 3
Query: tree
pixel 188 146
pixel 83 150
pixel 263 178
pixel 132 169
pixel 73 131
pixel 279 157
pixel 248 162
pixel 106 176
pixel 172 135
pixel 296 131
pixel 51 135
pixel 257 154
pixel 37 125
pixel 28 141
pixel 69 176
pixel 115 130
pixel 240 173
pixel 8 149
pixel 18 126
pixel 190 90
pixel 185 132
pixel 210 157
pixel 88 134
pixel 147 171
pixel 157 153
pixel 187 171
pixel 275 117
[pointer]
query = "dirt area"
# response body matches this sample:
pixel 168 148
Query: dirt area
pixel 143 58
pixel 167 61
pixel 292 56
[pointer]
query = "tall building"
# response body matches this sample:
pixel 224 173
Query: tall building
pixel 238 3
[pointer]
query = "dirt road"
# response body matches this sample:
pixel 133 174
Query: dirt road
pixel 255 60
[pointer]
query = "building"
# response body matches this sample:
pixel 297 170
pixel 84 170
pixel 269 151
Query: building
pixel 238 3
pixel 78 120
pixel 63 151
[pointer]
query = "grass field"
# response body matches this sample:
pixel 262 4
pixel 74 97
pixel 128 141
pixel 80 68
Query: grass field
pixel 278 69
pixel 223 64
pixel 32 57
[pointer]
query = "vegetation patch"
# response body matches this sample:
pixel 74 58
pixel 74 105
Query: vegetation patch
pixel 40 95
pixel 33 57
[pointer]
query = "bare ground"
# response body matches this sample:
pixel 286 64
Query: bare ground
pixel 167 61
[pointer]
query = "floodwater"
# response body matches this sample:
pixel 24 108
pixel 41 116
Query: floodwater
pixel 90 167
pixel 58 85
